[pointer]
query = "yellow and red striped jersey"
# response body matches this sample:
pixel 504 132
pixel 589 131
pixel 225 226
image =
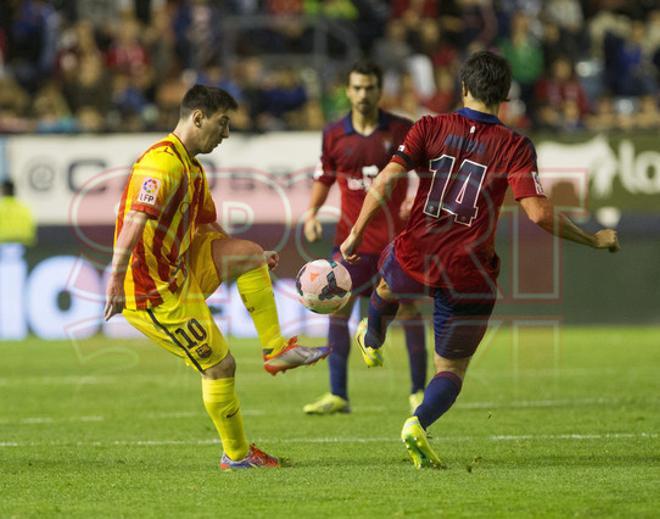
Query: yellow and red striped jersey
pixel 169 186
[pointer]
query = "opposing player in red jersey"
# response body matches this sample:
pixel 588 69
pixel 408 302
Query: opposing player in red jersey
pixel 355 148
pixel 447 248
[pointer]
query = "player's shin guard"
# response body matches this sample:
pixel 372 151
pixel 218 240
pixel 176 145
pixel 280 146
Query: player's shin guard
pixel 417 355
pixel 257 293
pixel 381 313
pixel 222 406
pixel 339 342
pixel 439 396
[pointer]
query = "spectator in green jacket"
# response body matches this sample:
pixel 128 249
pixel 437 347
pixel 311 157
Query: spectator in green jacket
pixel 525 54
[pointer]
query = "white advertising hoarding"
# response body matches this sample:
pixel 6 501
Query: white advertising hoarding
pixel 29 302
pixel 78 180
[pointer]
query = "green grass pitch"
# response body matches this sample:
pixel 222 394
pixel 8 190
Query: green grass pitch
pixel 552 422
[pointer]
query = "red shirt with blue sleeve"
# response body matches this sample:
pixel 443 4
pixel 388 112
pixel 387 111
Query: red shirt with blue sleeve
pixel 466 160
pixel 353 161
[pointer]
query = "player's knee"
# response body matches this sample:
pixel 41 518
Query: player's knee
pixel 345 311
pixel 238 257
pixel 384 292
pixel 408 312
pixel 456 366
pixel 253 250
pixel 232 251
pixel 246 252
pixel 251 255
pixel 226 368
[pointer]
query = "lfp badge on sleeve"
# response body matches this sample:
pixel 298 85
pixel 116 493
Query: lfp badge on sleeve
pixel 149 191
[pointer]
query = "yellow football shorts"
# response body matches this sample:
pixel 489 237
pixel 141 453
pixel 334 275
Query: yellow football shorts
pixel 183 323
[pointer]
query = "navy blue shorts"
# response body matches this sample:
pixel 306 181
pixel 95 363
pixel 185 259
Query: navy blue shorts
pixel 458 326
pixel 364 273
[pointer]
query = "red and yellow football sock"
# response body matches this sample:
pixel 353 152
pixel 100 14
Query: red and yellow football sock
pixel 257 293
pixel 222 406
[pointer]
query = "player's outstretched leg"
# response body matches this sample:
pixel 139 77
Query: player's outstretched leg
pixel 459 328
pixel 336 401
pixel 244 260
pixel 439 396
pixel 371 331
pixel 413 326
pixel 221 403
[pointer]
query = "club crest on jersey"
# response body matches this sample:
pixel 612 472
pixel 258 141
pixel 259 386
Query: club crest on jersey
pixel 203 351
pixel 149 191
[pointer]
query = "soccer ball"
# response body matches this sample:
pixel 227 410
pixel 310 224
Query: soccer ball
pixel 323 286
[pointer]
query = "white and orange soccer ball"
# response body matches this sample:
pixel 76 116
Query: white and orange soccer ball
pixel 323 286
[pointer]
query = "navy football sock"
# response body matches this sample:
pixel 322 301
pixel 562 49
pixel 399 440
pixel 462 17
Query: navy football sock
pixel 339 342
pixel 381 314
pixel 439 396
pixel 417 356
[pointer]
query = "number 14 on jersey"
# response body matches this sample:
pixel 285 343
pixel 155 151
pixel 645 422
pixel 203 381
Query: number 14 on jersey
pixel 458 197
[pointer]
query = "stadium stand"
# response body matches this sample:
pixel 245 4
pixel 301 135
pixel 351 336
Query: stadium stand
pixel 69 66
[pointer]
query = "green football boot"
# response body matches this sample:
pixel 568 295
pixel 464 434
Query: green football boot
pixel 416 441
pixel 328 404
pixel 372 356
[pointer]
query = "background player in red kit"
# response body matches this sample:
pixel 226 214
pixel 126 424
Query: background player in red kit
pixel 447 248
pixel 354 150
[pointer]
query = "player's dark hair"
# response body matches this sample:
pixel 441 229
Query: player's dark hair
pixel 8 188
pixel 367 68
pixel 207 99
pixel 487 77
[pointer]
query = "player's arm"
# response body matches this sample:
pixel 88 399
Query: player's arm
pixel 129 235
pixel 324 176
pixel 376 198
pixel 541 211
pixel 313 229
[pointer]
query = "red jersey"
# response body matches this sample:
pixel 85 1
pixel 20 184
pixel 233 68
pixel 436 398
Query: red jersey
pixel 353 160
pixel 471 159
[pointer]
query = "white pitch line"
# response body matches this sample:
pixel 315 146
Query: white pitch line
pixel 49 420
pixel 193 414
pixel 40 420
pixel 565 402
pixel 341 440
pixel 514 404
pixel 145 377
pixel 57 381
pixel 606 436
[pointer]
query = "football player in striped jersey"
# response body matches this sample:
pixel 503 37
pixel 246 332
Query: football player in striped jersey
pixel 170 254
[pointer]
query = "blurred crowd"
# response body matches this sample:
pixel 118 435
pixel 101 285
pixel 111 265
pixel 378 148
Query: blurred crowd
pixel 70 66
